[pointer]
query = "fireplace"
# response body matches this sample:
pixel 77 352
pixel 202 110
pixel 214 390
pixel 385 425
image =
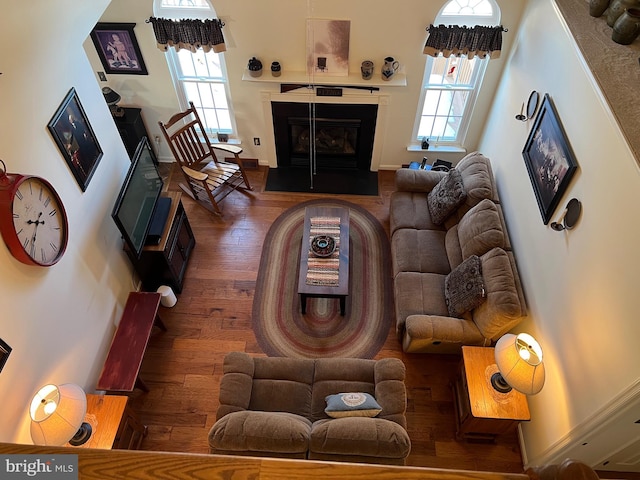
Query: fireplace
pixel 343 137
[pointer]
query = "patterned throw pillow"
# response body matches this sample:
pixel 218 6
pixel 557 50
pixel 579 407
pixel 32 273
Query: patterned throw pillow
pixel 446 196
pixel 464 287
pixel 353 404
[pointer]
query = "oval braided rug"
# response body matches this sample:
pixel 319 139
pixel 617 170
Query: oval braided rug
pixel 281 329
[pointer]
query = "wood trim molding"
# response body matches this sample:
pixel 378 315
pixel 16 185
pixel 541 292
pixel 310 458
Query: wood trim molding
pixel 110 464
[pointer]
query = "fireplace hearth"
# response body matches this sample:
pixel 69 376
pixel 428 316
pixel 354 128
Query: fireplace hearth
pixel 343 137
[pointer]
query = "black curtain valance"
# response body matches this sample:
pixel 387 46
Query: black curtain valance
pixel 190 34
pixel 471 41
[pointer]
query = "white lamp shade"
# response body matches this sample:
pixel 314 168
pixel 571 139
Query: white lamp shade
pixel 519 359
pixel 57 412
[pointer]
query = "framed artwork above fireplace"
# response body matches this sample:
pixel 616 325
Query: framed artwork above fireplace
pixel 328 47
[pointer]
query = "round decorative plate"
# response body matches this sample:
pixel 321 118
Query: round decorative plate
pixel 532 104
pixel 323 245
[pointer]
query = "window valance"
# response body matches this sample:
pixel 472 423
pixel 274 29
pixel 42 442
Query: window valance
pixel 190 34
pixel 471 41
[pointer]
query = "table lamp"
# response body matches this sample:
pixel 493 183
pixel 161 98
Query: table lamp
pixel 112 98
pixel 519 361
pixel 57 415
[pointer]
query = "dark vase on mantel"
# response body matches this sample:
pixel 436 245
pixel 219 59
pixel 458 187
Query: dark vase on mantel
pixel 597 7
pixel 617 8
pixel 627 27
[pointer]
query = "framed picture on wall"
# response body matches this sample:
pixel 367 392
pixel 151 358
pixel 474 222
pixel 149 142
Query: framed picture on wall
pixel 118 48
pixel 74 136
pixel 5 351
pixel 549 159
pixel 328 47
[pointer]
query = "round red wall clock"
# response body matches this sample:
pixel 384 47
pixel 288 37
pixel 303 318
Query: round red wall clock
pixel 33 221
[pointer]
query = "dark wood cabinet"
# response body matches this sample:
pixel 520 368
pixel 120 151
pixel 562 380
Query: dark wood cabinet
pixel 166 263
pixel 132 129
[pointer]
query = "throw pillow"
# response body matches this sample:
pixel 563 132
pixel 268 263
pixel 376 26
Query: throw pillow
pixel 352 404
pixel 464 287
pixel 480 229
pixel 446 196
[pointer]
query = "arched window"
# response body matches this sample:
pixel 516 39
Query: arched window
pixel 450 85
pixel 199 77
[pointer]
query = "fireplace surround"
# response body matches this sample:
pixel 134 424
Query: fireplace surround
pixel 344 134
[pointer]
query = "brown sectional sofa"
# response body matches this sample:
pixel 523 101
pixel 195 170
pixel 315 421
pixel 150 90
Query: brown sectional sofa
pixel 275 407
pixel 424 254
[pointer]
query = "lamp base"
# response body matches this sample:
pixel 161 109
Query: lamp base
pixel 82 435
pixel 116 111
pixel 499 383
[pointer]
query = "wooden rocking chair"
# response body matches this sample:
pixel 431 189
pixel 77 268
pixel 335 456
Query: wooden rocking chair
pixel 209 180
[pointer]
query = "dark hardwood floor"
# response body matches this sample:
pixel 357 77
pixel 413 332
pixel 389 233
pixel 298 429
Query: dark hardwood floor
pixel 183 366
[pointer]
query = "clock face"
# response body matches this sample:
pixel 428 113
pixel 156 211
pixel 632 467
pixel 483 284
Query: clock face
pixel 39 221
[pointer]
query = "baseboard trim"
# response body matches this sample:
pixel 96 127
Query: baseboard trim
pixel 602 419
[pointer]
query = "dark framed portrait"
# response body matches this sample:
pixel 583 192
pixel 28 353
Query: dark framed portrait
pixel 74 136
pixel 118 48
pixel 549 159
pixel 5 351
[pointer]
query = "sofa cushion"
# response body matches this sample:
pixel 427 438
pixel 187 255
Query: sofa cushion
pixel 352 404
pixel 261 432
pixel 464 287
pixel 408 180
pixel 452 247
pixel 502 308
pixel 418 293
pixel 282 385
pixel 359 436
pixel 336 375
pixel 446 196
pixel 409 210
pixel 477 177
pixel 390 391
pixel 480 229
pixel 415 250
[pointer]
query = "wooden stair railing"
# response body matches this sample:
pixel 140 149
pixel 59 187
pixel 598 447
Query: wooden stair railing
pixel 119 464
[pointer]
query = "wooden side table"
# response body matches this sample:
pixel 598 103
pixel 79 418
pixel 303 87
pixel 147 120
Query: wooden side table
pixel 114 424
pixel 481 411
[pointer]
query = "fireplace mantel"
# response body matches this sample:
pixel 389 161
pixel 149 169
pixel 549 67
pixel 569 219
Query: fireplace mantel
pixel 352 80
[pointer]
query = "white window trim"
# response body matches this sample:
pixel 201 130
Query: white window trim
pixel 172 62
pixel 172 58
pixel 478 77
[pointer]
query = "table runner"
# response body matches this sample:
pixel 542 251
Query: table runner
pixel 324 270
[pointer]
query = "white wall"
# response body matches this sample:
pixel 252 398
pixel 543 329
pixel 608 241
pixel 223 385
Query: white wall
pixel 276 30
pixel 581 284
pixel 58 320
pixel 154 93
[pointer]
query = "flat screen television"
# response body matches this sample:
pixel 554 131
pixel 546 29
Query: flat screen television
pixel 136 209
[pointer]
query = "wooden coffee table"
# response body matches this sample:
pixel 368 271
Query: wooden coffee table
pixel 325 291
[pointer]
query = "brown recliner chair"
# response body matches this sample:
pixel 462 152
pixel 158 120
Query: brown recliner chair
pixel 276 407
